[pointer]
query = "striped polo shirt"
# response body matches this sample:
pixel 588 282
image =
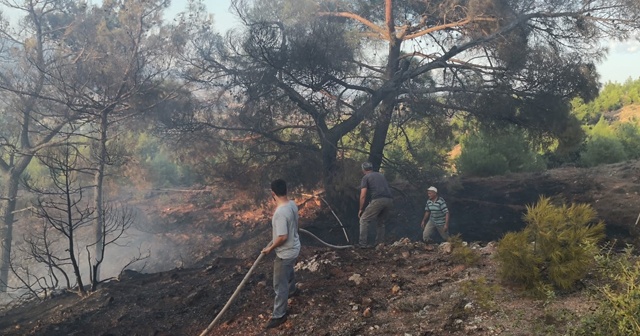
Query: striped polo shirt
pixel 438 210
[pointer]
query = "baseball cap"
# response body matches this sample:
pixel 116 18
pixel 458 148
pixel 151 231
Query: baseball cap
pixel 432 188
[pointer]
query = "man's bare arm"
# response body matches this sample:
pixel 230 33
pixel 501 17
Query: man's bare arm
pixel 425 218
pixel 363 197
pixel 278 242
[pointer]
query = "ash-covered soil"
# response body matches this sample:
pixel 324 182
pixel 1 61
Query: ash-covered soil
pixel 401 289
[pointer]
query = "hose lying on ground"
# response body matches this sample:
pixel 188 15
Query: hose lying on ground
pixel 246 277
pixel 330 208
pixel 324 243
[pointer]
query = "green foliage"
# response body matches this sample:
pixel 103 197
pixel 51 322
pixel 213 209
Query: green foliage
pixel 629 136
pixel 481 292
pixel 36 173
pixel 612 97
pixel 517 263
pixel 154 163
pixel 602 150
pixel 611 143
pixel 418 151
pixel 39 174
pixel 602 129
pixel 556 247
pixel 584 112
pixel 461 253
pixel 608 141
pixel 496 152
pixel 480 161
pixel 164 172
pixel 618 312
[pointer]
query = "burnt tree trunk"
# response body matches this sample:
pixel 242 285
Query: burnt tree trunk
pixel 386 108
pixel 98 198
pixel 6 232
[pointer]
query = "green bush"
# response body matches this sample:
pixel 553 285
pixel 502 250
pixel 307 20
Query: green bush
pixel 629 136
pixel 461 253
pixel 602 150
pixel 481 162
pixel 557 247
pixel 163 172
pixel 498 152
pixel 611 143
pixel 618 312
pixel 146 161
pixel 481 292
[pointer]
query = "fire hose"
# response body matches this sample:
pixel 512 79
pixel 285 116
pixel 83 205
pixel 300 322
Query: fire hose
pixel 246 277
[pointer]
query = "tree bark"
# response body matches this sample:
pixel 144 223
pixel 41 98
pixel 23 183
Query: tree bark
pixel 98 200
pixel 70 223
pixel 6 233
pixel 15 167
pixel 329 154
pixel 387 106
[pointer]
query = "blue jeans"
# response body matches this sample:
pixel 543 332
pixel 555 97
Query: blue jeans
pixel 284 281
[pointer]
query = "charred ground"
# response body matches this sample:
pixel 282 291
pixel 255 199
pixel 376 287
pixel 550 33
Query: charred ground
pixel 401 289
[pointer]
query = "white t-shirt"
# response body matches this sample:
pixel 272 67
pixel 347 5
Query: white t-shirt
pixel 285 222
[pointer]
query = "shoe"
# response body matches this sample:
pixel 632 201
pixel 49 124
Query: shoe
pixel 293 293
pixel 274 322
pixel 365 247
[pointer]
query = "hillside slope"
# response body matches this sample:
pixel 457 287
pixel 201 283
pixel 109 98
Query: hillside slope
pixel 404 288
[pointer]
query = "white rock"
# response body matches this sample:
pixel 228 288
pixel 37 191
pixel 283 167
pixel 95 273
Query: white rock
pixel 470 328
pixel 357 278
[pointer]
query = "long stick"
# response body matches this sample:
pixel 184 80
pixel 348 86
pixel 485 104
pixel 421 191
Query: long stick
pixel 233 297
pixel 638 220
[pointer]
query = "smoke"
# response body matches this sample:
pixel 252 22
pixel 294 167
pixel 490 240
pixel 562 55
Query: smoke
pixel 154 252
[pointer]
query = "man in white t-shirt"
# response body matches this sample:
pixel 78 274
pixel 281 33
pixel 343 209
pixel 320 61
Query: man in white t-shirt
pixel 286 243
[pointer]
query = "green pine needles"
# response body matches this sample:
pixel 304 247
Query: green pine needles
pixel 556 248
pixel 618 311
pixel 461 253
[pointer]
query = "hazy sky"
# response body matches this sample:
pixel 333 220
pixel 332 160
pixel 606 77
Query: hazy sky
pixel 623 61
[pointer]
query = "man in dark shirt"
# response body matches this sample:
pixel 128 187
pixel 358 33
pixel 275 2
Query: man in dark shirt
pixel 378 209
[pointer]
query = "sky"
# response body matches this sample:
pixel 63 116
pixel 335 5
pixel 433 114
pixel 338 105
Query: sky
pixel 622 62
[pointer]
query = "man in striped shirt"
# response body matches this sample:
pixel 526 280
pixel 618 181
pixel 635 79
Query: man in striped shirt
pixel 436 216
